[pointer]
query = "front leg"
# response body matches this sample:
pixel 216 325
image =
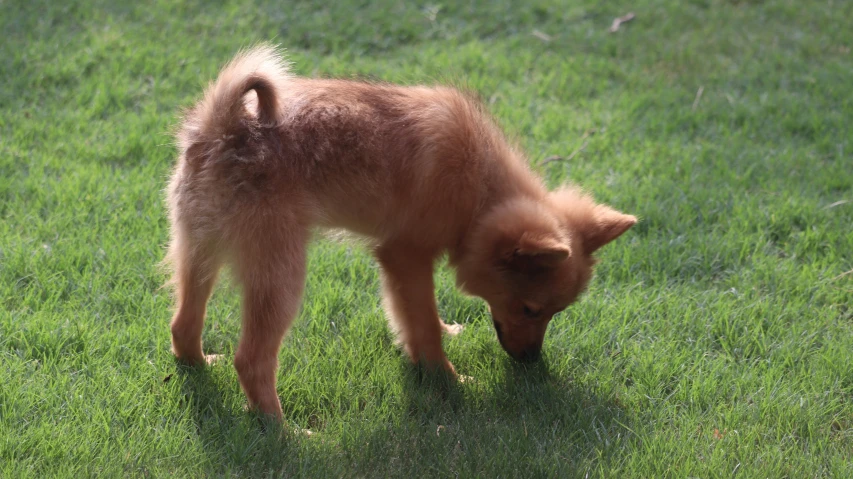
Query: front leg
pixel 409 300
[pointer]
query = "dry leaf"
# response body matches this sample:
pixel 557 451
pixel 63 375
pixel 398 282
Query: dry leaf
pixel 618 21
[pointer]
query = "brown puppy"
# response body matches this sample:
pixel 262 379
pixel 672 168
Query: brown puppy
pixel 266 157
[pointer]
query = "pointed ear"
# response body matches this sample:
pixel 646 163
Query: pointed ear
pixel 538 250
pixel 607 224
pixel 530 245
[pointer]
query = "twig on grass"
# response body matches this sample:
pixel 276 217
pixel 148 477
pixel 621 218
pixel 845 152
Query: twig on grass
pixel 698 97
pixel 846 273
pixel 837 203
pixel 542 36
pixel 585 135
pixel 560 158
pixel 583 147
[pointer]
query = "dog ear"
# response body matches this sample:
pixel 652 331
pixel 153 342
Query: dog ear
pixel 547 246
pixel 522 234
pixel 596 224
pixel 605 226
pixel 537 250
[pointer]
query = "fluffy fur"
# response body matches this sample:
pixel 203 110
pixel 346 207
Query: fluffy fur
pixel 266 157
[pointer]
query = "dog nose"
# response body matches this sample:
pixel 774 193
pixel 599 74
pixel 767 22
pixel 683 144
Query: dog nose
pixel 530 354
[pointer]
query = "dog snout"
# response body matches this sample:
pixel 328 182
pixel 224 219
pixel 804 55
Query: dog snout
pixel 527 354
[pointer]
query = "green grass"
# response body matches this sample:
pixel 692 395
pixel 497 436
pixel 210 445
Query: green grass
pixel 716 339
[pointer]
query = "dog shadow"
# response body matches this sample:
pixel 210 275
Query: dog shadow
pixel 203 396
pixel 233 437
pixel 531 419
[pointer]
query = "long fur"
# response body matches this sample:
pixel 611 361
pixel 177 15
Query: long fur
pixel 266 157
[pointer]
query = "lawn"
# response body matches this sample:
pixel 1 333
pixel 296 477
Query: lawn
pixel 715 340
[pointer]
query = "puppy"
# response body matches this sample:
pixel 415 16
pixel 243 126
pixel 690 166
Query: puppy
pixel 267 157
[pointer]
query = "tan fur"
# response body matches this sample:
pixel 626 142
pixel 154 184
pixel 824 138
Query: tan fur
pixel 266 157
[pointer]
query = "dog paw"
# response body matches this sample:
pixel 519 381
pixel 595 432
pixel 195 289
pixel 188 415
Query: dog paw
pixel 190 360
pixel 452 329
pixel 211 359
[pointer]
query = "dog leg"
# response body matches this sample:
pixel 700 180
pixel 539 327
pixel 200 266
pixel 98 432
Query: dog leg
pixel 195 274
pixel 273 280
pixel 409 299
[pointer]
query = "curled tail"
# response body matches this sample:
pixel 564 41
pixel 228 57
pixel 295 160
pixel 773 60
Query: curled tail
pixel 221 116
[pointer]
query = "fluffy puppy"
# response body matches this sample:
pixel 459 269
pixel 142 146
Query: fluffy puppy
pixel 266 157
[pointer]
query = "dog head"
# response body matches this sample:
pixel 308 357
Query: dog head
pixel 530 259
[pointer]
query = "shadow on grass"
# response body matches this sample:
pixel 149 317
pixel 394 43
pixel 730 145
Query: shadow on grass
pixel 233 438
pixel 531 423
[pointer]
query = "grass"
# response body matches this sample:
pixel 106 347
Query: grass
pixel 714 341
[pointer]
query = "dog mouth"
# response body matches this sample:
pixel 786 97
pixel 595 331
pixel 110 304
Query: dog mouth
pixel 529 355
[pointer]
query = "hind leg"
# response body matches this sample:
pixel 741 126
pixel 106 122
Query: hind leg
pixel 273 278
pixel 195 268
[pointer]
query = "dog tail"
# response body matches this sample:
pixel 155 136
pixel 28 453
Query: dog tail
pixel 225 116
